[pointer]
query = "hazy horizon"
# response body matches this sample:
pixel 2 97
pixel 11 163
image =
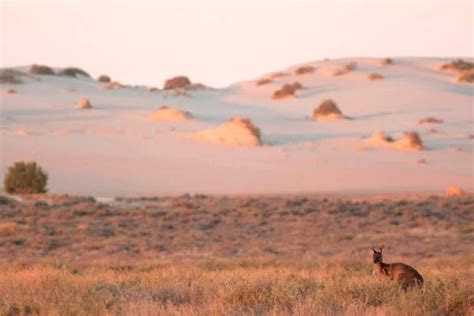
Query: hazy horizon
pixel 218 43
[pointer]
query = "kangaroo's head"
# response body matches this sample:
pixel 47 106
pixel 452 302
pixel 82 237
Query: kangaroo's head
pixel 377 255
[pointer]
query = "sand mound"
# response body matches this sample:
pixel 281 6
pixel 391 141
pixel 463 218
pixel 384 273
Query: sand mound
pixel 375 76
pixel 327 111
pixel 177 82
pixel 430 120
pixel 169 114
pixel 84 103
pixel 104 79
pixel 411 141
pixel 454 191
pixel 237 132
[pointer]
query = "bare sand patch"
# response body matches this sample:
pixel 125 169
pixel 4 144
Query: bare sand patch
pixel 237 132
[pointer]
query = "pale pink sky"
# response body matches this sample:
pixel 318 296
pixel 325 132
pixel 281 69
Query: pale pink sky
pixel 220 42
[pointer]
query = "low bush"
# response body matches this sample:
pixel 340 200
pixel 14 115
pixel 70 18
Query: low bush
pixel 104 78
pixel 25 178
pixel 41 70
pixel 177 82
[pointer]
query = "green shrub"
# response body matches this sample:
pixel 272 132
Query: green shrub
pixel 25 177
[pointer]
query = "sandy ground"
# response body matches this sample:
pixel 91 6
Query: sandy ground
pixel 115 149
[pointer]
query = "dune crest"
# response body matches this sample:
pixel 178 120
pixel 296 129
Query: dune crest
pixel 237 132
pixel 166 113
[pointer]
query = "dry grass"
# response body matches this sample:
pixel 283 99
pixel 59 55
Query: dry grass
pixel 73 72
pixel 279 74
pixel 104 78
pixel 263 81
pixel 287 90
pixel 466 76
pixel 430 120
pixel 304 70
pixel 240 255
pixel 345 69
pixel 233 287
pixel 458 65
pixel 386 62
pixel 41 70
pixel 10 76
pixel 327 109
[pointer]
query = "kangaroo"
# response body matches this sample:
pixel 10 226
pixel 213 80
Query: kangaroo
pixel 406 276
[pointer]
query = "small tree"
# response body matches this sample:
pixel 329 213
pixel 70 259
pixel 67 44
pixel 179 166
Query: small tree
pixel 25 177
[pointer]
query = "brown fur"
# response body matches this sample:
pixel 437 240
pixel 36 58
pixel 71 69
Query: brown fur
pixel 405 275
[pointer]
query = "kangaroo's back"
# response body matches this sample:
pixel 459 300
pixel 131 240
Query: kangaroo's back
pixel 405 275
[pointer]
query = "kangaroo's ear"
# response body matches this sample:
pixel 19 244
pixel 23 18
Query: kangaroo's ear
pixel 381 248
pixel 373 250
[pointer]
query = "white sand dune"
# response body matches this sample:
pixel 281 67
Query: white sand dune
pixel 115 149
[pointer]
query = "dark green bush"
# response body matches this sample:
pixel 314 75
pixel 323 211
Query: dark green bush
pixel 25 177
